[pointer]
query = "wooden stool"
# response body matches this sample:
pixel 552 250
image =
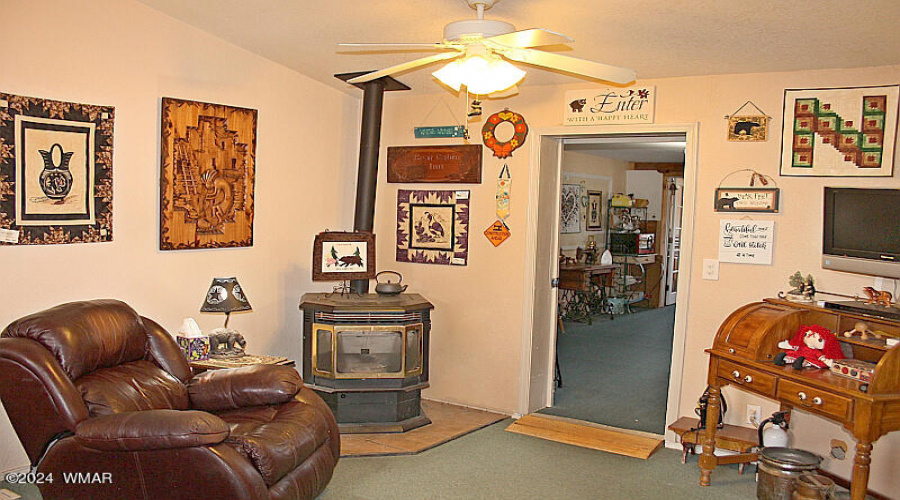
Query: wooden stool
pixel 729 437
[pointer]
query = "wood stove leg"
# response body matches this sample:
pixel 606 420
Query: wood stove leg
pixel 708 458
pixel 860 479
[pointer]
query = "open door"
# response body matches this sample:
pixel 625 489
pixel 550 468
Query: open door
pixel 673 237
pixel 545 306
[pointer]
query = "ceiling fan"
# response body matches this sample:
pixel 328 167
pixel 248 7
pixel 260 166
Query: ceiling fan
pixel 480 47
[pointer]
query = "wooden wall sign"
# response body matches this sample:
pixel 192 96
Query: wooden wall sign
pixel 744 199
pixel 458 164
pixel 208 169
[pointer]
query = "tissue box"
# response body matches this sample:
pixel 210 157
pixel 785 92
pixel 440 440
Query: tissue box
pixel 195 348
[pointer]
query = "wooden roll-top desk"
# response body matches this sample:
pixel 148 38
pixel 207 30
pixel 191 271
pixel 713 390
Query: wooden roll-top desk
pixel 743 353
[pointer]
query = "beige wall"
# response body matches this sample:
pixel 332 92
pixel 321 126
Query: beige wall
pixel 477 340
pixel 121 53
pixel 594 173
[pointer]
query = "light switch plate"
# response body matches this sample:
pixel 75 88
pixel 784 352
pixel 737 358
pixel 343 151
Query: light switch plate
pixel 711 269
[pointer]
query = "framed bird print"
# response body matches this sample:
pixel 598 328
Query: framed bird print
pixel 339 256
pixel 432 226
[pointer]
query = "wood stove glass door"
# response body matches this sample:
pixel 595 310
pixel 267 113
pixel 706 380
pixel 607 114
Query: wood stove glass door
pixel 369 351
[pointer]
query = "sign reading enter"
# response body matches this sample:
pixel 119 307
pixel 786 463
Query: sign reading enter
pixel 441 164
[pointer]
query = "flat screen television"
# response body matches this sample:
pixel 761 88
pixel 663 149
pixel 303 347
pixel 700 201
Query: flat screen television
pixel 862 231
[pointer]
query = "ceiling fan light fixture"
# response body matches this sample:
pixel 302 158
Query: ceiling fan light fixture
pixel 481 75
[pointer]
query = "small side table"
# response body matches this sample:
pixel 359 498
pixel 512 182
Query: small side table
pixel 729 437
pixel 246 360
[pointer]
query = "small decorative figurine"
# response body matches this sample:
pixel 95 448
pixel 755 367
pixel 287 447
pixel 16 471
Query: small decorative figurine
pixel 863 330
pixel 804 288
pixel 812 346
pixel 880 297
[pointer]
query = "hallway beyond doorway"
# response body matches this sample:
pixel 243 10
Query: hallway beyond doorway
pixel 616 372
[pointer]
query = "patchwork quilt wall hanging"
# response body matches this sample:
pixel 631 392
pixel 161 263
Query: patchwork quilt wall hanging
pixel 841 132
pixel 433 226
pixel 55 171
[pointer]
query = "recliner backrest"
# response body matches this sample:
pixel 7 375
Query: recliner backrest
pixel 86 336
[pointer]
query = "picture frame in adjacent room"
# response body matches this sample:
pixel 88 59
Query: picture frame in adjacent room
pixel 56 161
pixel 339 256
pixel 433 226
pixel 594 215
pixel 840 132
pixel 207 175
pixel 570 209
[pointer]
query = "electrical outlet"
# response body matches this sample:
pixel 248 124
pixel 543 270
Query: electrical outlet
pixel 754 414
pixel 710 269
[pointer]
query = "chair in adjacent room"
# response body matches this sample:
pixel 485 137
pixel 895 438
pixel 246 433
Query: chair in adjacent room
pixel 104 400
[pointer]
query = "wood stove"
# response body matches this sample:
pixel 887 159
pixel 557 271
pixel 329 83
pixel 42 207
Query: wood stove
pixel 367 356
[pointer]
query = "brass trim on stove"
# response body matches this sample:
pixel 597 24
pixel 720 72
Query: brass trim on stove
pixel 405 329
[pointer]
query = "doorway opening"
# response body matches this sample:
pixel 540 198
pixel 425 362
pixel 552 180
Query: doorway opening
pixel 670 241
pixel 620 223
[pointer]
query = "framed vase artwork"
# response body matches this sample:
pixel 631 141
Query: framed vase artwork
pixel 339 256
pixel 55 171
pixel 594 219
pixel 840 132
pixel 433 226
pixel 570 209
pixel 208 171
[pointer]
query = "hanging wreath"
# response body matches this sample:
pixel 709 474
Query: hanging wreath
pixel 504 149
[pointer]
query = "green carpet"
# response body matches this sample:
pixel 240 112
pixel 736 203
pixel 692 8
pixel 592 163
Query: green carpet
pixel 616 372
pixel 493 464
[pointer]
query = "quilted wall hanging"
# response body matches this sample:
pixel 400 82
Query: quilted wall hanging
pixel 844 132
pixel 55 171
pixel 433 226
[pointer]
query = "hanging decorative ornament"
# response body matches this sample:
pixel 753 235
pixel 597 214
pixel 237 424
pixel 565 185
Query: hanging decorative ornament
pixel 474 108
pixel 502 196
pixel 497 233
pixel 520 132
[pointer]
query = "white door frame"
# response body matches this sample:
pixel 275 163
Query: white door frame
pixel 530 300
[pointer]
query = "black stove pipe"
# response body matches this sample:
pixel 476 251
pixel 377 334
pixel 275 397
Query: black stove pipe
pixel 367 176
pixel 369 144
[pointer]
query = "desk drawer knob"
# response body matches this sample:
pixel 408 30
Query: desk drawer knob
pixel 731 351
pixel 748 379
pixel 817 401
pixel 736 374
pixel 802 396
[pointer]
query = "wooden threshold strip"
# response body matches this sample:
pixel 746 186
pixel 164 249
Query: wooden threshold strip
pixel 585 436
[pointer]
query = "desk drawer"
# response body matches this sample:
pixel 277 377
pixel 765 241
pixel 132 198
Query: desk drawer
pixel 747 378
pixel 815 400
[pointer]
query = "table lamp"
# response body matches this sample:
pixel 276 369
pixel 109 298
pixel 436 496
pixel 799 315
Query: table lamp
pixel 225 295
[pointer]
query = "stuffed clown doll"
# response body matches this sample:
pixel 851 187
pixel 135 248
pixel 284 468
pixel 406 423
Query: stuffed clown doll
pixel 812 346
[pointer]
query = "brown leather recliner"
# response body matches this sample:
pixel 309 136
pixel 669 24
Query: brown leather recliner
pixel 103 399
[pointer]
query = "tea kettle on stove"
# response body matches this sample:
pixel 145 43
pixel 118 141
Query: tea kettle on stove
pixel 388 287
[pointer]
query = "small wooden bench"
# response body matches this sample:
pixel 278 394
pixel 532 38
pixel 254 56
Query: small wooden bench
pixel 729 437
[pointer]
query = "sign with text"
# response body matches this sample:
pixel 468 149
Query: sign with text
pixel 746 241
pixel 610 106
pixel 448 164
pixel 747 200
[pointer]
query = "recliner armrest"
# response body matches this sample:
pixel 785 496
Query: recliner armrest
pixel 151 430
pixel 256 385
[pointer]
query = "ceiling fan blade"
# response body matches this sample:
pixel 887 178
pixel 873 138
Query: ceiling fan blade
pixel 592 69
pixel 534 37
pixel 415 63
pixel 431 45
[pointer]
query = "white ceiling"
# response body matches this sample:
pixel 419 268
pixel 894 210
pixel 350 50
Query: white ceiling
pixel 639 149
pixel 657 38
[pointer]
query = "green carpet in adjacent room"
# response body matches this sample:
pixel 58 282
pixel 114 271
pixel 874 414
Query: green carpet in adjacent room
pixel 616 372
pixel 497 465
